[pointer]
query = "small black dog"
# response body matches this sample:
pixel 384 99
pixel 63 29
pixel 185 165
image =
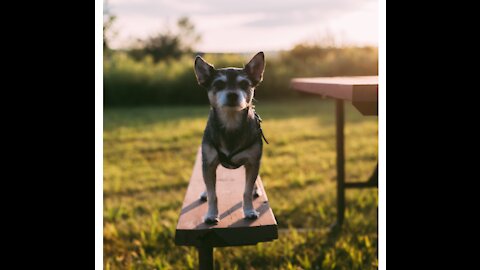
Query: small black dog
pixel 233 136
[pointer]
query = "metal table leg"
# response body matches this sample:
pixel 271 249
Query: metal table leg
pixel 340 124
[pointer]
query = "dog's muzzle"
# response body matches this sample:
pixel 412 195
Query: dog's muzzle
pixel 232 99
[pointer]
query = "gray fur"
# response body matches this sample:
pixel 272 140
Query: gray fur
pixel 232 136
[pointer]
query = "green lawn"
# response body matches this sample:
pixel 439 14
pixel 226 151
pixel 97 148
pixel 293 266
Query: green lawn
pixel 148 158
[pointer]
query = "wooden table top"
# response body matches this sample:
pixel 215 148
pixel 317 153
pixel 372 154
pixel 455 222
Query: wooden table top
pixel 361 90
pixel 233 229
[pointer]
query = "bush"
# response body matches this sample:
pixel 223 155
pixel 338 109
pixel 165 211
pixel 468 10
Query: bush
pixel 135 83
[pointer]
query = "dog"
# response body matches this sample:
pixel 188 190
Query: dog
pixel 233 135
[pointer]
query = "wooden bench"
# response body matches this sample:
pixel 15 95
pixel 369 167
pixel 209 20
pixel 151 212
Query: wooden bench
pixel 233 229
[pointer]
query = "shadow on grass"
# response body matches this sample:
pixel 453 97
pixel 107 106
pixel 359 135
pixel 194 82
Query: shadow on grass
pixel 134 192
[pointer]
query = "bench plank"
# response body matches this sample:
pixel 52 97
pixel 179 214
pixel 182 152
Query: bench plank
pixel 233 229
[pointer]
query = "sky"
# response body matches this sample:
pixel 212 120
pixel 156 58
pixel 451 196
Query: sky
pixel 249 25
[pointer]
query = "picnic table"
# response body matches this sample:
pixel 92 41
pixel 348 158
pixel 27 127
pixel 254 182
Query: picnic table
pixel 363 93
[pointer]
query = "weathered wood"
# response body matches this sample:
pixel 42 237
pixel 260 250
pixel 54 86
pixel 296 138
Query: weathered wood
pixel 233 229
pixel 362 90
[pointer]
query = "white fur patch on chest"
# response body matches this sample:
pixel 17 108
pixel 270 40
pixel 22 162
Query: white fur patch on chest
pixel 230 119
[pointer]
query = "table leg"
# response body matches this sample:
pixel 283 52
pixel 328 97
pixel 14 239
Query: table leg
pixel 205 257
pixel 340 119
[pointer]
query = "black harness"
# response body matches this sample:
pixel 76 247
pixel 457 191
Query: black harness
pixel 225 160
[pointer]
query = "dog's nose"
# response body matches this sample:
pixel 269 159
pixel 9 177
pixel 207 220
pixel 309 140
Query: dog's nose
pixel 232 98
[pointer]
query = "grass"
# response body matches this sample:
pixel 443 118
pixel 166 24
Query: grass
pixel 148 158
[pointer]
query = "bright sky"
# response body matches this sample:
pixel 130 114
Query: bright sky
pixel 251 25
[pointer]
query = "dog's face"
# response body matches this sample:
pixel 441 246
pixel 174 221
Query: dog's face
pixel 230 88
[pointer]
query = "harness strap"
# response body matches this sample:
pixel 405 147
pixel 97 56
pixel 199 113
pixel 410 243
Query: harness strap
pixel 227 160
pixel 259 121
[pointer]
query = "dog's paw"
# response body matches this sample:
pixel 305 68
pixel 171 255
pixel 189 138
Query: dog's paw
pixel 211 219
pixel 203 196
pixel 257 193
pixel 251 214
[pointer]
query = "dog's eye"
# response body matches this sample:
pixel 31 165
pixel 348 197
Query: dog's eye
pixel 244 84
pixel 219 85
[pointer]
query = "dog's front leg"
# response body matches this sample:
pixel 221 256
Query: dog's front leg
pixel 210 178
pixel 209 168
pixel 251 172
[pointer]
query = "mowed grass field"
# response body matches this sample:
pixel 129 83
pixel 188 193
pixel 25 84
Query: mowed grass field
pixel 148 157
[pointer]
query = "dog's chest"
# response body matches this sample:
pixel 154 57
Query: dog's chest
pixel 228 145
pixel 226 155
pixel 224 150
pixel 230 120
pixel 231 141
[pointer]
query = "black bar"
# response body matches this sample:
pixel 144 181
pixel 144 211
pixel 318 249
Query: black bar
pixel 205 257
pixel 340 119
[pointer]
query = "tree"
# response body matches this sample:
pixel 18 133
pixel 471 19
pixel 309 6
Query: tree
pixel 108 32
pixel 168 44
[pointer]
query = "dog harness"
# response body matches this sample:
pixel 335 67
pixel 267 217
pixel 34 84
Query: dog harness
pixel 226 161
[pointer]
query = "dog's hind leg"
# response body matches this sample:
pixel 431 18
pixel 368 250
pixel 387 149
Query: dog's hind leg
pixel 204 196
pixel 257 192
pixel 251 172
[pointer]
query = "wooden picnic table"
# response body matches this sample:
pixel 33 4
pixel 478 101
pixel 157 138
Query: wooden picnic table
pixel 363 93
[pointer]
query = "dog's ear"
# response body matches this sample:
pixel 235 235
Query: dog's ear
pixel 255 68
pixel 204 71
